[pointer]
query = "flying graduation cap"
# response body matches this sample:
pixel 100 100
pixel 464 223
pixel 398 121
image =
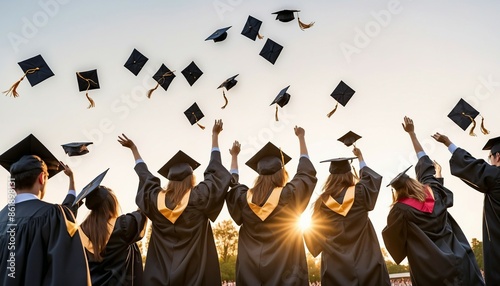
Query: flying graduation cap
pixel 349 138
pixel 251 28
pixel 35 69
pixel 342 93
pixel 271 51
pixel 164 76
pixel 76 148
pixel 90 188
pixel 136 62
pixel 219 35
pixel 194 114
pixel 227 85
pixel 281 99
pixel 289 15
pixel 192 73
pixel 88 80
pixel 463 114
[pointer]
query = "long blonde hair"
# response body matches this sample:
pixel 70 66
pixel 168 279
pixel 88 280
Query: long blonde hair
pixel 334 185
pixel 265 184
pixel 175 190
pixel 411 189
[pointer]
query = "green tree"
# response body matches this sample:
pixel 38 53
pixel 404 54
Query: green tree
pixel 226 239
pixel 392 267
pixel 477 248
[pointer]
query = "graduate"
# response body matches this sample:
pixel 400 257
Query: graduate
pixel 270 245
pixel 39 241
pixel 341 229
pixel 420 228
pixel 182 248
pixel 485 178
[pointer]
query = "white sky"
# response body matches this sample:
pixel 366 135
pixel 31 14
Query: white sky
pixel 415 58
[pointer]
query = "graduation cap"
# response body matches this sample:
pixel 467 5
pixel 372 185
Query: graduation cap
pixel 339 165
pixel 178 167
pixel 88 80
pixel 463 114
pixel 164 76
pixel 76 148
pixel 400 179
pixel 35 69
pixel 135 62
pixel 192 73
pixel 349 138
pixel 281 99
pixel 342 93
pixel 251 28
pixel 219 35
pixel 91 187
pixel 289 15
pixel 227 84
pixel 268 160
pixel 271 51
pixel 493 144
pixel 194 114
pixel 29 146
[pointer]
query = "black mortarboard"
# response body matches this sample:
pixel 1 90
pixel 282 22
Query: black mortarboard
pixel 135 62
pixel 88 80
pixel 30 146
pixel 178 167
pixel 90 188
pixel 219 35
pixel 400 179
pixel 76 148
pixel 268 160
pixel 192 73
pixel 271 51
pixel 281 99
pixel 194 114
pixel 493 144
pixel 251 28
pixel 288 15
pixel 463 114
pixel 342 94
pixel 164 76
pixel 349 138
pixel 227 84
pixel 339 165
pixel 35 69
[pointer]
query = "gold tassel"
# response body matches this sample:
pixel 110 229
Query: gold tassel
pixel 225 99
pixel 333 111
pixel 199 125
pixel 153 89
pixel 483 129
pixel 276 113
pixel 162 79
pixel 13 88
pixel 260 36
pixel 355 173
pixel 91 101
pixel 303 25
pixel 471 132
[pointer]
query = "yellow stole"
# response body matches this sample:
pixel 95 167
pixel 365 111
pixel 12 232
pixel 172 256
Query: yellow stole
pixel 172 215
pixel 86 241
pixel 341 209
pixel 268 207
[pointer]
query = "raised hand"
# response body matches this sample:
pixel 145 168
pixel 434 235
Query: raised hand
pixel 125 141
pixel 408 124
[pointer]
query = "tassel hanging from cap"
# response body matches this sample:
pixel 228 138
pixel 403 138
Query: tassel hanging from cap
pixel 483 129
pixel 471 132
pixel 199 125
pixel 355 173
pixel 225 99
pixel 91 101
pixel 160 81
pixel 13 88
pixel 89 81
pixel 260 36
pixel 333 111
pixel 303 25
pixel 153 89
pixel 276 113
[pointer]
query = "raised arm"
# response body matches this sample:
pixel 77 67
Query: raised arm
pixel 215 133
pixel 410 129
pixel 234 151
pixel 71 196
pixel 126 142
pixel 300 132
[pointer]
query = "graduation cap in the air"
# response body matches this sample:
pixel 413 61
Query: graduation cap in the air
pixel 271 51
pixel 35 69
pixel 339 165
pixel 227 85
pixel 268 160
pixel 192 73
pixel 29 146
pixel 92 199
pixel 135 62
pixel 289 15
pixel 88 80
pixel 493 144
pixel 219 35
pixel 400 179
pixel 164 76
pixel 281 99
pixel 251 28
pixel 194 114
pixel 76 148
pixel 463 114
pixel 178 167
pixel 342 94
pixel 349 138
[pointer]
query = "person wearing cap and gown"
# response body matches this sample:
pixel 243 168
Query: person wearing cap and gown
pixel 420 228
pixel 110 240
pixel 485 178
pixel 39 241
pixel 270 246
pixel 341 229
pixel 182 248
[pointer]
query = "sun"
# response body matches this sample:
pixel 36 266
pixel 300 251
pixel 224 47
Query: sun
pixel 304 222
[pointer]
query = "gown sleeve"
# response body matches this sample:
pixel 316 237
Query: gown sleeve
pixel 233 202
pixel 132 226
pixel 149 186
pixel 68 202
pixel 302 185
pixel 476 173
pixel 395 235
pixel 314 236
pixel 368 187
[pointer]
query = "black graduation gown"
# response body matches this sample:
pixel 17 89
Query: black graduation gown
pixel 350 249
pixel 438 251
pixel 45 253
pixel 271 252
pixel 184 253
pixel 122 260
pixel 484 178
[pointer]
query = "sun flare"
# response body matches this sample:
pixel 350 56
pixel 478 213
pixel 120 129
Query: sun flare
pixel 304 221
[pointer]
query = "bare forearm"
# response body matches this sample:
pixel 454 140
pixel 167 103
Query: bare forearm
pixel 215 140
pixel 135 153
pixel 303 147
pixel 234 162
pixel 415 142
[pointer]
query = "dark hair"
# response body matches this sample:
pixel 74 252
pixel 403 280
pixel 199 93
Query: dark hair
pixel 26 180
pixel 264 184
pixel 334 185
